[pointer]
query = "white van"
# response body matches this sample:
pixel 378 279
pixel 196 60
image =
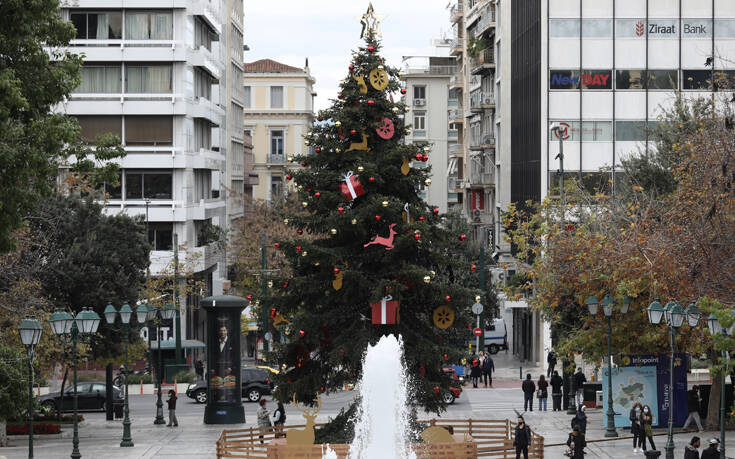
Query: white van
pixel 496 336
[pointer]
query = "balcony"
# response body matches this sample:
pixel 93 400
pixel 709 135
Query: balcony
pixel 481 142
pixel 481 100
pixel 115 50
pixel 456 12
pixel 484 61
pixel 456 47
pixel 456 115
pixel 482 178
pixel 456 81
pixel 276 159
pixel 486 22
pixel 454 184
pixel 456 149
pixel 432 70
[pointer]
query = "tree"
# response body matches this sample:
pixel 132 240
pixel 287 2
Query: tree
pixel 35 141
pixel 339 272
pixel 13 387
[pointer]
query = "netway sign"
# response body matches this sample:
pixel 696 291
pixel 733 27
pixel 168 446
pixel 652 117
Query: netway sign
pixel 571 80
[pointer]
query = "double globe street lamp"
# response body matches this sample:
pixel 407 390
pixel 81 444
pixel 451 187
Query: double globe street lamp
pixel 125 313
pixel 716 328
pixel 30 334
pixel 607 307
pixel 72 329
pixel 673 315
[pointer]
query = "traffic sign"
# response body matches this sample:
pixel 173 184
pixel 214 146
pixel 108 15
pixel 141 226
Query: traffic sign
pixel 477 331
pixel 477 308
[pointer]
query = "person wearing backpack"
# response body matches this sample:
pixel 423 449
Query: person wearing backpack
pixel 279 418
pixel 488 366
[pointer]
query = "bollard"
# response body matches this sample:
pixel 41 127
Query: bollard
pixel 141 386
pixel 520 372
pixel 38 385
pixel 176 387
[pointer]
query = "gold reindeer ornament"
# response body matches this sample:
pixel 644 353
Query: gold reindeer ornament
pixel 303 436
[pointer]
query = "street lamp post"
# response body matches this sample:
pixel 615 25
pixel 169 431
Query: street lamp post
pixel 607 308
pixel 30 334
pixel 125 314
pixel 674 316
pixel 716 328
pixel 155 315
pixel 71 329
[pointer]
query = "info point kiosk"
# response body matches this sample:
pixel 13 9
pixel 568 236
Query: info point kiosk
pixel 224 388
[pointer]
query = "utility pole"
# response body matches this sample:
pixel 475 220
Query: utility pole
pixel 263 313
pixel 483 294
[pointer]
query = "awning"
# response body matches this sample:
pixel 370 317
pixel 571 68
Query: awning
pixel 515 304
pixel 185 344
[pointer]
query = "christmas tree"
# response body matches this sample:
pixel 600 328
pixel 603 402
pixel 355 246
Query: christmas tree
pixel 379 260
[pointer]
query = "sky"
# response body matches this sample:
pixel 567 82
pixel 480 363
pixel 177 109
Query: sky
pixel 326 31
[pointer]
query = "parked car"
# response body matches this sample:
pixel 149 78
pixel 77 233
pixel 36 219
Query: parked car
pixel 454 392
pixel 91 396
pixel 256 382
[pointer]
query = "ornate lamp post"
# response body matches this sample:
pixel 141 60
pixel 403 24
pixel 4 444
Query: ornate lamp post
pixel 154 317
pixel 674 316
pixel 126 314
pixel 30 334
pixel 72 329
pixel 716 328
pixel 607 308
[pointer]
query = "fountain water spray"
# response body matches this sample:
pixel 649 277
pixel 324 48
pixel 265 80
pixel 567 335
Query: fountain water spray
pixel 381 427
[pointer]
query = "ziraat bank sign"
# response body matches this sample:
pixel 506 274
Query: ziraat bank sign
pixel 663 28
pixel 588 79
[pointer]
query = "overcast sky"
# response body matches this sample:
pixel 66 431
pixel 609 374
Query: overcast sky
pixel 326 31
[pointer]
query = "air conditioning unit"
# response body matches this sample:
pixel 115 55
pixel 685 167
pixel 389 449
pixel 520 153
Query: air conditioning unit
pixel 497 276
pixel 476 216
pixel 419 102
pixel 488 101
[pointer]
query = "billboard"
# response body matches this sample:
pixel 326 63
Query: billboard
pixel 629 386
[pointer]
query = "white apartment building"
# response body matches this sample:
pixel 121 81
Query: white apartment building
pixel 165 77
pixel 426 81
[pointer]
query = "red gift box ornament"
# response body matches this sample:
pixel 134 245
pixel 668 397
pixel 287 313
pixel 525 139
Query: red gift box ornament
pixel 351 186
pixel 386 312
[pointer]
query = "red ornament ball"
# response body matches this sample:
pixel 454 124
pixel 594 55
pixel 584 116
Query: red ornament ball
pixel 424 158
pixel 318 150
pixel 341 210
pixel 371 48
pixel 371 102
pixel 339 95
pixel 320 118
pixel 448 298
pixel 436 390
pixel 298 248
pixel 285 284
pixel 352 67
pixel 462 237
pixel 317 194
pixel 419 157
pixel 474 268
pixel 249 297
pixel 357 102
pixel 288 177
pixel 336 270
pixel 436 211
pixel 303 163
pixel 403 91
pixel 371 179
pixel 278 246
pixel 353 131
pixel 417 237
pixel 308 190
pixel 299 232
pixel 302 333
pixel 422 218
pixel 273 312
pixel 378 217
pixel 446 357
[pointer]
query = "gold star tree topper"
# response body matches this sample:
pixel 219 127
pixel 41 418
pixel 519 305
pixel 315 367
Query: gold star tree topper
pixel 370 22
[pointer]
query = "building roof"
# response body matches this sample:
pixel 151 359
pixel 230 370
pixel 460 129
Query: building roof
pixel 270 66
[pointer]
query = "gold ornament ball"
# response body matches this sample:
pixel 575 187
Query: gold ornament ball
pixel 333 230
pixel 285 221
pixel 385 203
pixel 306 142
pixel 257 302
pixel 270 284
pixel 304 253
pixel 337 150
pixel 396 110
pixel 427 149
pixel 304 204
pixel 354 221
pixel 338 123
pixel 407 109
pixel 477 299
pixel 432 274
pixel 416 232
pixel 290 159
pixel 427 181
pixel 380 67
pixel 316 263
pixel 360 169
pixel 283 367
pixel 427 279
pixel 464 362
pixel 400 74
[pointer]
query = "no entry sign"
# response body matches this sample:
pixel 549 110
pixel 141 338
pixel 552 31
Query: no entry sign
pixel 477 331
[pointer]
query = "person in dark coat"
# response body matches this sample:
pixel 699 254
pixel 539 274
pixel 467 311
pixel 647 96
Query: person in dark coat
pixel 528 388
pixel 543 393
pixel 693 401
pixel 635 427
pixel 556 390
pixel 646 423
pixel 712 451
pixel 578 381
pixel 577 443
pixel 475 372
pixel 551 360
pixel 488 366
pixel 580 419
pixel 522 438
pixel 691 450
pixel 199 369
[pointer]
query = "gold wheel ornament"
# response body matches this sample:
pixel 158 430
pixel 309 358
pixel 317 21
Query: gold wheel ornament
pixel 378 79
pixel 443 317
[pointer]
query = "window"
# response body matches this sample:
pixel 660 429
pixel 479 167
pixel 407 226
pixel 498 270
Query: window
pixel 419 121
pixel 115 192
pixel 696 79
pixel 277 142
pixel 630 79
pixel 202 84
pixel 590 79
pixel 725 28
pixel 202 184
pixel 569 131
pixel 100 79
pixel 149 130
pixel 202 35
pixel 630 131
pixel 148 185
pixel 145 25
pixel 564 79
pixel 597 131
pixel 97 26
pixel 246 96
pixel 276 187
pixel 663 79
pixel 419 92
pixel 95 125
pixel 98 387
pixel 154 79
pixel 202 134
pixel 564 28
pixel 597 28
pixel 161 235
pixel 591 28
pixel 81 388
pixel 276 96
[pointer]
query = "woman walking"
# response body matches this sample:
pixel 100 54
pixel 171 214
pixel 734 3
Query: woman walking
pixel 635 427
pixel 542 392
pixel 580 419
pixel 475 372
pixel 646 422
pixel 556 385
pixel 576 443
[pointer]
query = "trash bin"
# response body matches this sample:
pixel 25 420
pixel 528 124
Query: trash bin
pixel 117 408
pixel 652 453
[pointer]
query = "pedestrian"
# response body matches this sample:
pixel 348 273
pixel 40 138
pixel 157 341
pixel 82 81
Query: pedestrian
pixel 580 419
pixel 693 401
pixel 635 427
pixel 475 372
pixel 576 443
pixel 542 392
pixel 172 421
pixel 646 422
pixel 556 388
pixel 279 418
pixel 199 369
pixel 712 451
pixel 691 451
pixel 488 366
pixel 578 381
pixel 551 360
pixel 528 388
pixel 522 438
pixel 264 421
